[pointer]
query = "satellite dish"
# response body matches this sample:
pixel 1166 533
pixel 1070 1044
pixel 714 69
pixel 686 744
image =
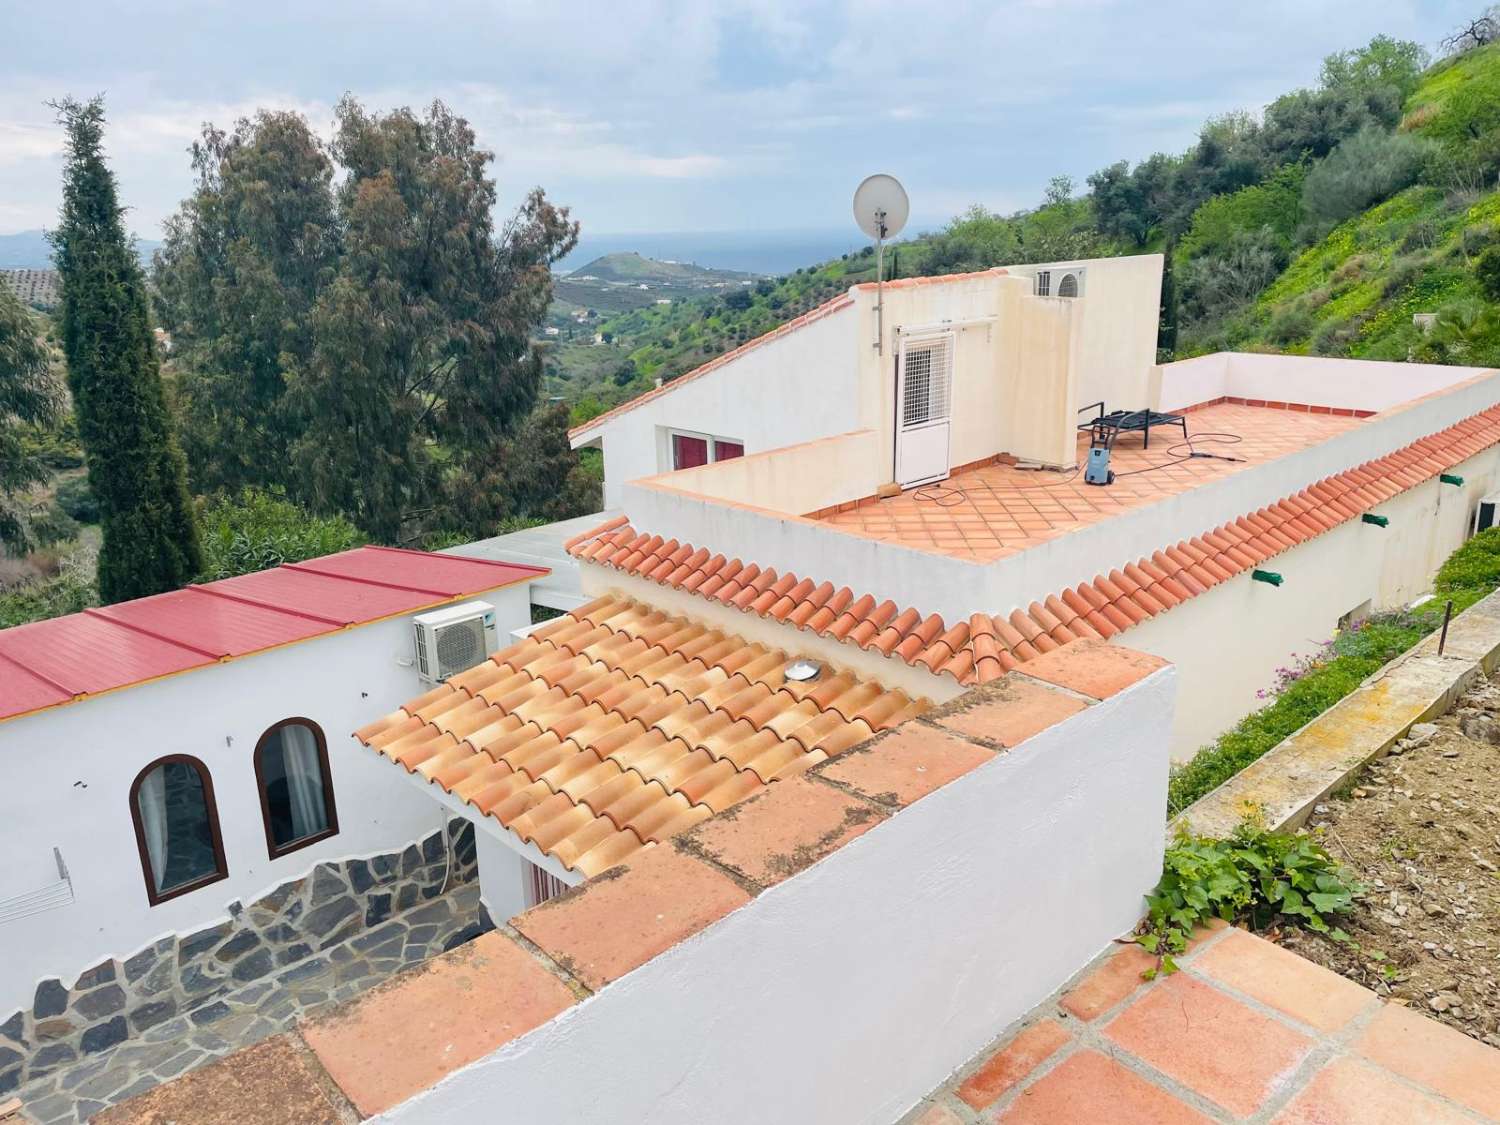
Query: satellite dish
pixel 881 206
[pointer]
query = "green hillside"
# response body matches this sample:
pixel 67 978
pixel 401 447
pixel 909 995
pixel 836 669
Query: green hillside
pixel 1425 250
pixel 1322 223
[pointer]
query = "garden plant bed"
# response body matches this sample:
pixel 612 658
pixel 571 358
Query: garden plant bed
pixel 1421 830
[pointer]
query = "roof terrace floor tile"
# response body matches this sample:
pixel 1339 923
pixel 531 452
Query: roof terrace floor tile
pixel 996 510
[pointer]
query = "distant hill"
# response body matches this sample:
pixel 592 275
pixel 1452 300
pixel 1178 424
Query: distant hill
pixel 625 281
pixel 29 250
pixel 1342 221
pixel 630 267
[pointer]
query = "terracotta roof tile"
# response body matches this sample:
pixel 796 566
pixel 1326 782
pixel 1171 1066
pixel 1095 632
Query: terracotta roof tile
pixel 617 726
pixel 1098 609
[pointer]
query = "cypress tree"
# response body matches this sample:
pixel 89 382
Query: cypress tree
pixel 135 467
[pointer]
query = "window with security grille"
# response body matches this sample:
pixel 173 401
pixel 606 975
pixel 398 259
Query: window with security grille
pixel 1068 287
pixel 1043 283
pixel 918 406
pixel 925 382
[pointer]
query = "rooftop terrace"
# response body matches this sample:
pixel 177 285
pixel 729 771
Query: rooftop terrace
pixel 996 510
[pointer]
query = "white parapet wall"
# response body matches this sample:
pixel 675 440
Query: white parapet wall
pixel 1346 384
pixel 1355 566
pixel 954 588
pixel 845 993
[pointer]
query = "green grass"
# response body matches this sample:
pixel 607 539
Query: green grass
pixel 1469 574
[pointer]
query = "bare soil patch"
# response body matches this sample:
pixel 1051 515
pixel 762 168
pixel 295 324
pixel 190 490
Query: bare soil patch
pixel 1421 830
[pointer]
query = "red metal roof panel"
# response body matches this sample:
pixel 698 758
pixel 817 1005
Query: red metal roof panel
pixel 82 653
pixel 51 662
pixel 441 575
pixel 216 626
pixel 21 690
pixel 323 597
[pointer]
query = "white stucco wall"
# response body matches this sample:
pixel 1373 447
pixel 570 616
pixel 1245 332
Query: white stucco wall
pixel 66 775
pixel 791 389
pixel 1223 663
pixel 1118 346
pixel 1017 378
pixel 953 588
pixel 898 954
pixel 1352 384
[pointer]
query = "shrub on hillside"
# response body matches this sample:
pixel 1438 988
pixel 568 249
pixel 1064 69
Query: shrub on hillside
pixel 76 498
pixel 1215 285
pixel 255 530
pixel 1487 272
pixel 1366 168
pixel 1475 565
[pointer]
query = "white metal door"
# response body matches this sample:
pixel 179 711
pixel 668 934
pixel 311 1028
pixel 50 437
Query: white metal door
pixel 924 395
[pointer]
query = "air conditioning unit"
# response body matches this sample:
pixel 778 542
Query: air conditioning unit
pixel 1487 515
pixel 1058 283
pixel 454 638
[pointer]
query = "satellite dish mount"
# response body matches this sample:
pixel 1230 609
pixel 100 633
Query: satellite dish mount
pixel 880 209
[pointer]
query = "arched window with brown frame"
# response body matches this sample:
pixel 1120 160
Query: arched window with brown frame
pixel 176 827
pixel 296 788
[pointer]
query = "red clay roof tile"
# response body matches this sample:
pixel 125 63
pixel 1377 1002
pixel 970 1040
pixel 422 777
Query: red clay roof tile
pixel 622 714
pixel 1104 606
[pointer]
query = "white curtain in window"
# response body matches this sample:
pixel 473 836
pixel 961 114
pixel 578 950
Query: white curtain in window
pixel 151 799
pixel 304 780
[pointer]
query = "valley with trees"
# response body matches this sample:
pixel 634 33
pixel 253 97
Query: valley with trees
pixel 332 346
pixel 1320 225
pixel 338 342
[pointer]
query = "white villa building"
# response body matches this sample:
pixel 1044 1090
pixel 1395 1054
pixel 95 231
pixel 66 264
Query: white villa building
pixel 937 467
pixel 881 634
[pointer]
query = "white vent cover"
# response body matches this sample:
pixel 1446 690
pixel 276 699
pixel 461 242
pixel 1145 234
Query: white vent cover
pixel 1058 282
pixel 452 639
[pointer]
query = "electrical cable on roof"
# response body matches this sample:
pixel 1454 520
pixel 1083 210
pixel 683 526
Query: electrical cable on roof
pixel 946 496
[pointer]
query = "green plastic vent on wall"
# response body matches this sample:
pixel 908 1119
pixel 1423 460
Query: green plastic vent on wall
pixel 1267 576
pixel 1378 521
pixel 1451 478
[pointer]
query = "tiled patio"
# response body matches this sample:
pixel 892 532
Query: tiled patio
pixel 998 510
pixel 1247 1031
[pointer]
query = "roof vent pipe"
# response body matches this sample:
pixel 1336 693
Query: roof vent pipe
pixel 803 670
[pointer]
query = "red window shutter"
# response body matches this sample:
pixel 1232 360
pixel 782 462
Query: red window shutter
pixel 728 450
pixel 689 452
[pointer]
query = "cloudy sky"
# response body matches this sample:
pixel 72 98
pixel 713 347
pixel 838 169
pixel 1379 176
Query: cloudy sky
pixel 656 115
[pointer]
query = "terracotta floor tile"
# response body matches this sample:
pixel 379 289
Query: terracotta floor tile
pixel 785 828
pixel 1350 1092
pixel 1021 508
pixel 1093 668
pixel 615 924
pixel 1012 1063
pixel 1012 712
pixel 1110 983
pixel 1438 1057
pixel 1284 981
pixel 272 1083
pixel 1222 1049
pixel 402 1037
pixel 937 1115
pixel 1089 1088
pixel 906 765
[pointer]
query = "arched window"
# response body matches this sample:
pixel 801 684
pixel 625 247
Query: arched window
pixel 296 792
pixel 176 827
pixel 1068 286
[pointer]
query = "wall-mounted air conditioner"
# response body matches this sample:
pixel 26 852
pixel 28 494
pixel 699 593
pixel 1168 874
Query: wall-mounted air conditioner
pixel 454 638
pixel 1487 514
pixel 1058 283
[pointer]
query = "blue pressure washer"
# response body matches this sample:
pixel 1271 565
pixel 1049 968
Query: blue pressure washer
pixel 1097 470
